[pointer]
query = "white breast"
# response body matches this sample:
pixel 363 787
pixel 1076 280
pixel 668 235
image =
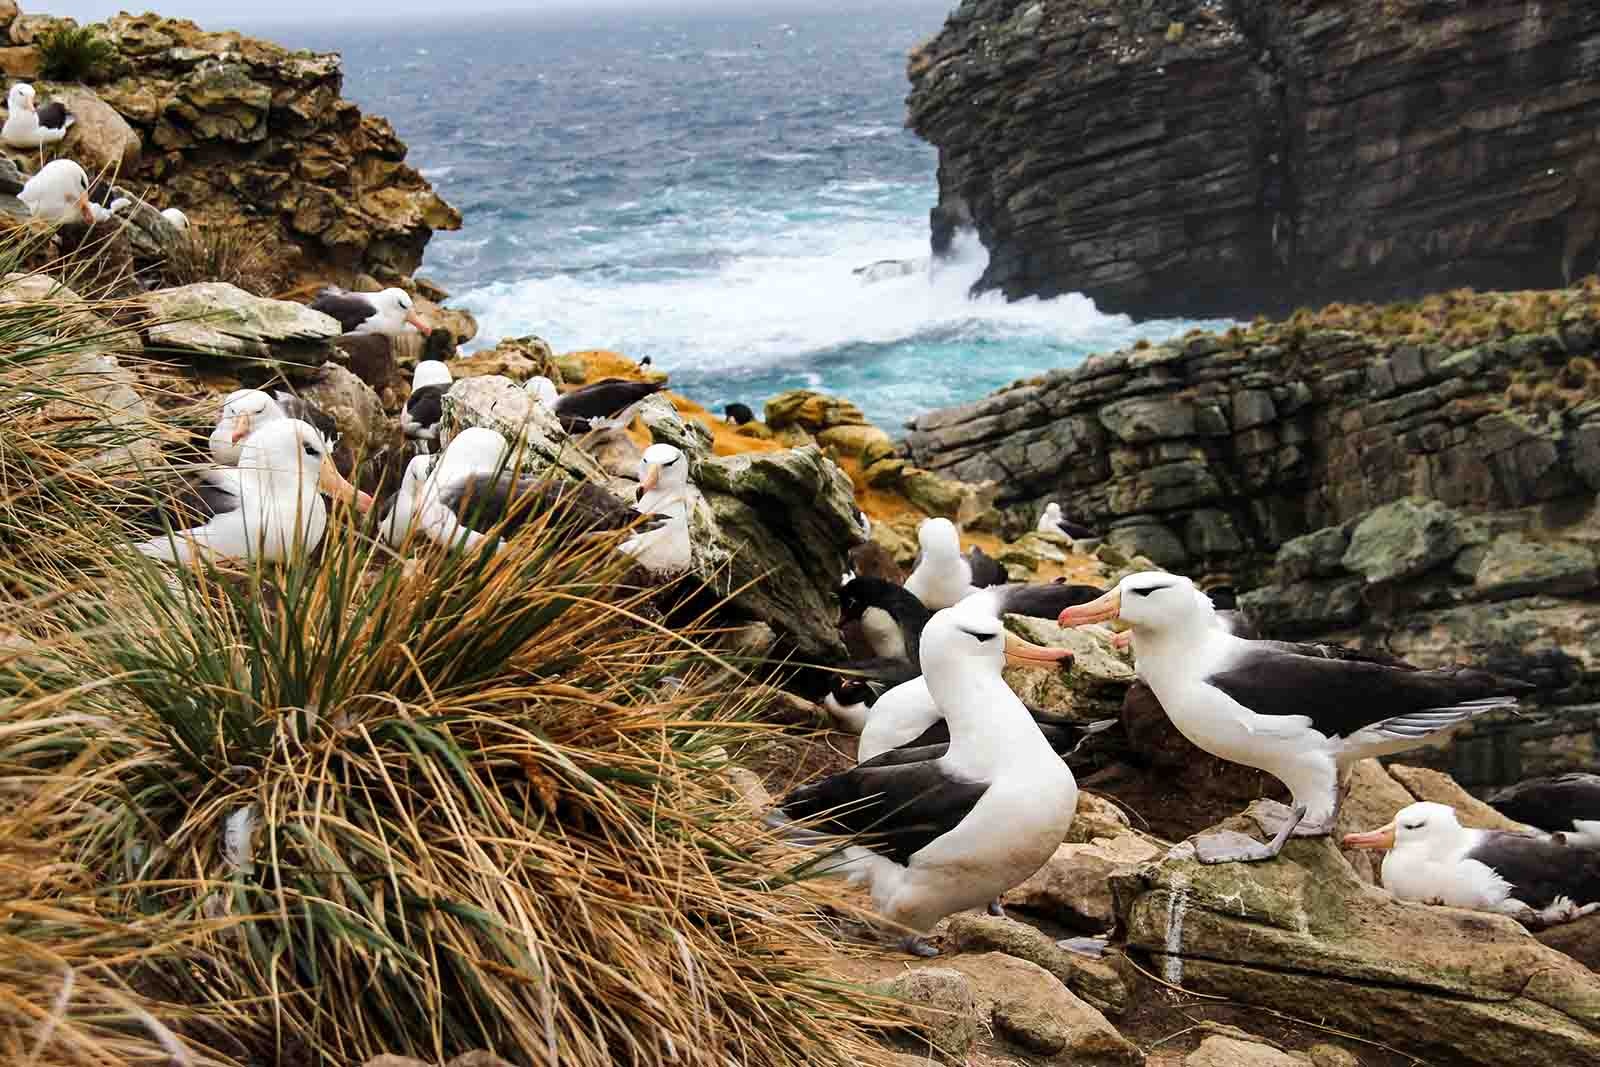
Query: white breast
pixel 883 634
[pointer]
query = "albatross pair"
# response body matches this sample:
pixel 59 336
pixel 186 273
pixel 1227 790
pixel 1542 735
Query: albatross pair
pixel 1302 713
pixel 942 828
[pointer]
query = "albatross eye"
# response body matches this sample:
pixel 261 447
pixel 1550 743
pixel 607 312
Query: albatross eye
pixel 1144 592
pixel 980 638
pixel 311 450
pixel 1413 825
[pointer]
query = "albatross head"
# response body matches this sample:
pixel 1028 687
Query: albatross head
pixel 938 539
pixel 397 309
pixel 663 468
pixel 1052 511
pixel 982 614
pixel 243 412
pixel 1425 827
pixel 475 450
pixel 1149 600
pixel 430 372
pixel 21 98
pixel 290 445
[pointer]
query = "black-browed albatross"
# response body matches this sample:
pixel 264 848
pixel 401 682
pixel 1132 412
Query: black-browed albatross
pixel 1303 719
pixel 1537 879
pixel 1568 804
pixel 937 830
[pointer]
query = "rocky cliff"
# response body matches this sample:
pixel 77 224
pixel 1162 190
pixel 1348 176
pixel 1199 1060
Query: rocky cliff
pixel 1203 157
pixel 1420 478
pixel 243 134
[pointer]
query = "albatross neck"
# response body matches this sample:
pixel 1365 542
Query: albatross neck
pixel 988 724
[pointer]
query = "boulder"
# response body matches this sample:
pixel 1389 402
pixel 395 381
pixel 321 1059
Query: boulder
pixel 505 407
pixel 1402 540
pixel 101 139
pixel 811 411
pixel 1096 981
pixel 1303 935
pixel 941 1006
pixel 1074 886
pixel 1220 1051
pixel 1093 687
pixel 1424 783
pixel 352 404
pixel 784 524
pixel 222 321
pixel 1315 555
pixel 1029 1007
pixel 1513 566
pixel 517 358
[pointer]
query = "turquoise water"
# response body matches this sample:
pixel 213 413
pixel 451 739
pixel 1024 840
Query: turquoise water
pixel 700 189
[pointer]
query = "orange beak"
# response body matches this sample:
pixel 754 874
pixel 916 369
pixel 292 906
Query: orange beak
pixel 1026 653
pixel 330 481
pixel 241 428
pixel 420 323
pixel 1122 640
pixel 1101 609
pixel 652 478
pixel 85 210
pixel 1381 839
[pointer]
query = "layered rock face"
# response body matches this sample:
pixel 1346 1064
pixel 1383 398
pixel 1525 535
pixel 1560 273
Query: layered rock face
pixel 1201 158
pixel 1423 480
pixel 245 134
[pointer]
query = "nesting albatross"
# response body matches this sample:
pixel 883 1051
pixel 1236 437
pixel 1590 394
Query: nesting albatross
pixel 284 468
pixel 58 193
pixel 30 126
pixel 1568 804
pixel 1537 879
pixel 425 406
pixel 937 830
pixel 1303 719
pixel 943 575
pixel 388 312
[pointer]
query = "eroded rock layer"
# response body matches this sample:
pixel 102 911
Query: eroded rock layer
pixel 1196 157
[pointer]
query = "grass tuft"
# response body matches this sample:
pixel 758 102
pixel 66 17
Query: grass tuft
pixel 74 54
pixel 220 254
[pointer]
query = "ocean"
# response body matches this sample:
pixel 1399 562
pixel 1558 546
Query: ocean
pixel 700 189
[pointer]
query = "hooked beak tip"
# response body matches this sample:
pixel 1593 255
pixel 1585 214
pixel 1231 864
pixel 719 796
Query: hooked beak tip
pixel 420 323
pixel 1381 839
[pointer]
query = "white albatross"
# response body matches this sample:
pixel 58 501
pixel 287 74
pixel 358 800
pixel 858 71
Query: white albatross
pixel 425 406
pixel 1535 878
pixel 664 490
pixel 283 470
pixel 389 312
pixel 943 576
pixel 58 192
pixel 944 828
pixel 30 126
pixel 1304 719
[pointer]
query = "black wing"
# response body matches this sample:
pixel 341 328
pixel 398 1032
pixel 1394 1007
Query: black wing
pixel 425 406
pixel 985 570
pixel 1319 651
pixel 1551 803
pixel 1342 696
pixel 895 804
pixel 349 309
pixel 1540 868
pixel 1075 530
pixel 304 410
pixel 1046 600
pixel 484 501
pixel 604 398
pixel 1064 736
pixel 886 671
pixel 53 116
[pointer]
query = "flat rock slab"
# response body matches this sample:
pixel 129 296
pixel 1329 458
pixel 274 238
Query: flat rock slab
pixel 1302 934
pixel 221 320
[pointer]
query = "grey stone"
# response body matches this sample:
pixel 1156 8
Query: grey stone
pixel 941 1005
pixel 1220 1051
pixel 1515 567
pixel 1141 419
pixel 1402 540
pixel 1096 981
pixel 1252 408
pixel 1316 555
pixel 1149 539
pixel 1211 532
pixel 1303 607
pixel 221 320
pixel 502 405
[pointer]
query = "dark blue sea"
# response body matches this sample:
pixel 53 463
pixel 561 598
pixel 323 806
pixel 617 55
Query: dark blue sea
pixel 699 188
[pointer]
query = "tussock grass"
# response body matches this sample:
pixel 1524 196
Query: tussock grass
pixel 317 812
pixel 74 54
pixel 220 254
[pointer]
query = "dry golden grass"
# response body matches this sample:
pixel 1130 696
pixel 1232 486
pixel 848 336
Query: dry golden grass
pixel 220 254
pixel 317 812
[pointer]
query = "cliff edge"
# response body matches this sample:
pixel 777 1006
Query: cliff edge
pixel 1197 157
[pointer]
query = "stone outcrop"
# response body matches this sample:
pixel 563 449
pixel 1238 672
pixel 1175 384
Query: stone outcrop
pixel 1191 157
pixel 244 134
pixel 215 320
pixel 1304 936
pixel 1420 479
